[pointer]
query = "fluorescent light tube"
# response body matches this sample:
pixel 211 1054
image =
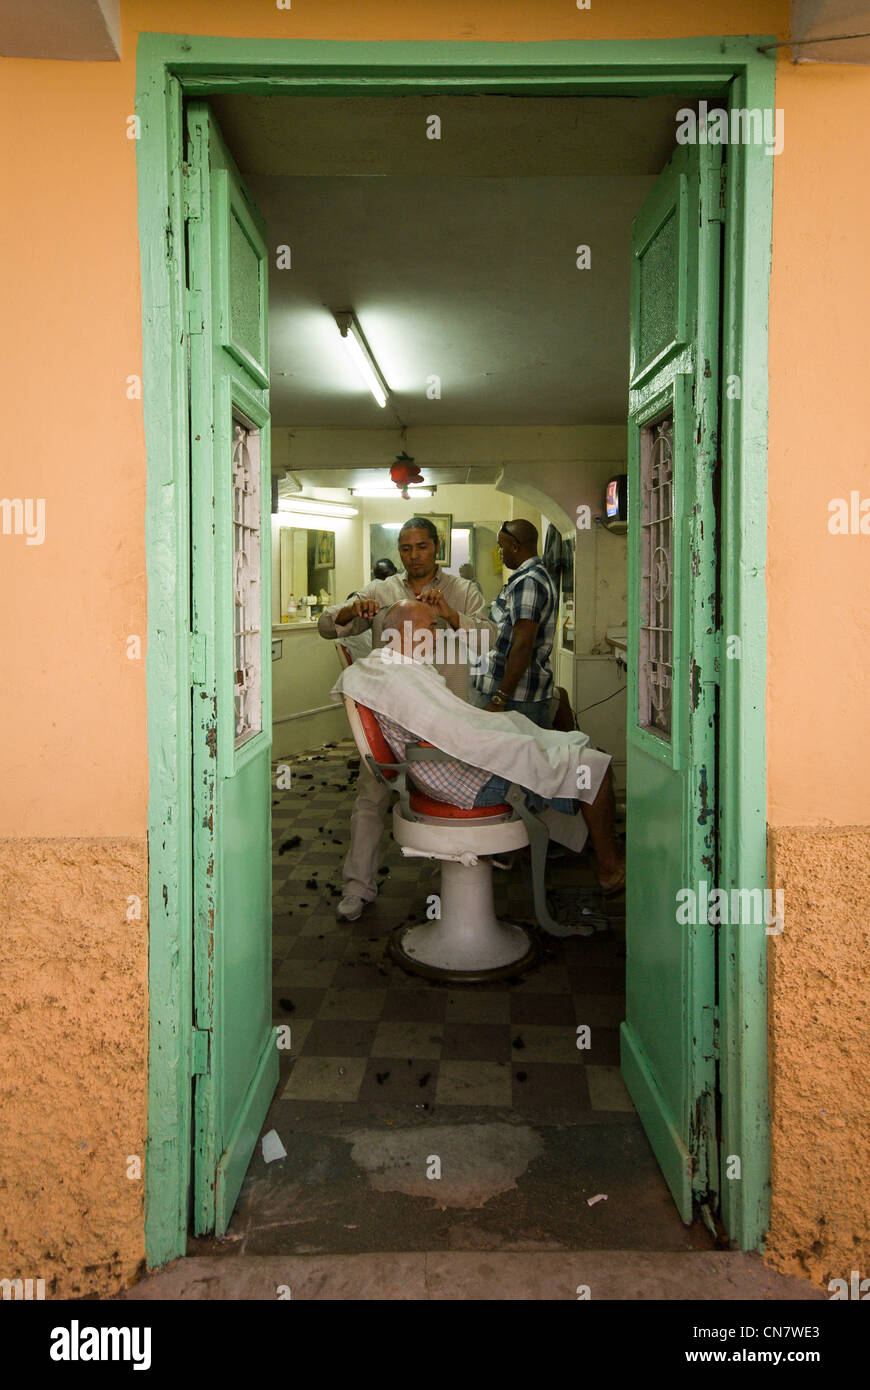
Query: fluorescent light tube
pixel 361 355
pixel 313 506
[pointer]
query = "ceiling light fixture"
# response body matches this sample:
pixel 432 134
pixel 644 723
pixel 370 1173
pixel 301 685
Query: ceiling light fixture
pixel 313 506
pixel 372 491
pixel 358 349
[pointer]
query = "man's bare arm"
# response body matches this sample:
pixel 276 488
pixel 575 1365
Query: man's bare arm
pixel 519 656
pixel 358 615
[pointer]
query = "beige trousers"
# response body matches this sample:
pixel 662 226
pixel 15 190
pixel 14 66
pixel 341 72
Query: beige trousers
pixel 366 826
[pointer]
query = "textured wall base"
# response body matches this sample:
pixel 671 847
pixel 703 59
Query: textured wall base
pixel 73 1062
pixel 819 1020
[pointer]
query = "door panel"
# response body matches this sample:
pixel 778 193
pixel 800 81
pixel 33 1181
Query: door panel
pixel 667 1039
pixel 237 1061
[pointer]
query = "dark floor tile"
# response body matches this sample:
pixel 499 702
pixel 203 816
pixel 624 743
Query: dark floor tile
pixel 547 1086
pixel 306 1003
pixel 476 1042
pixel 412 1006
pixel 600 1010
pixel 327 946
pixel 542 1008
pixel 596 979
pixel 411 1083
pixel 603 1050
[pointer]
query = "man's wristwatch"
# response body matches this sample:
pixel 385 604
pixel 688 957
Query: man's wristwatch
pixel 499 698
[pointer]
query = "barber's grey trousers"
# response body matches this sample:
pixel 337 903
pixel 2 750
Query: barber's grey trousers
pixel 366 824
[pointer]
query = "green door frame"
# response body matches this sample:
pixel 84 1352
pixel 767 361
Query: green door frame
pixel 171 67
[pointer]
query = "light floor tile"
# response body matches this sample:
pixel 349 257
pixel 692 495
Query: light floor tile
pixel 319 924
pixel 325 1078
pixel 473 1083
pixel 549 1043
pixel 607 1089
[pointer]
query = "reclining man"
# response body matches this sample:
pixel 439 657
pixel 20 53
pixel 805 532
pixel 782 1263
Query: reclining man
pixel 457 602
pixel 489 751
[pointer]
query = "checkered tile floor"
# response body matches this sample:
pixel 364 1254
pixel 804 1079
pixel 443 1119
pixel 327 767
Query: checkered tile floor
pixel 365 1033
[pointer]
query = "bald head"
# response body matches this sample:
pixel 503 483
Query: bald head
pixel 524 532
pixel 403 620
pixel 518 543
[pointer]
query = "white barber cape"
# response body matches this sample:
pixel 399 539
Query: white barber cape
pixel 416 696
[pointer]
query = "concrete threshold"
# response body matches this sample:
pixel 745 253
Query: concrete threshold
pixel 631 1275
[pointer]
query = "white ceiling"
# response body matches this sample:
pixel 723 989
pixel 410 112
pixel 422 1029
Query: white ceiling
pixel 352 477
pixel 458 256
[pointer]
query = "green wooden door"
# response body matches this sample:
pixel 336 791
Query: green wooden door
pixel 668 1037
pixel 236 1059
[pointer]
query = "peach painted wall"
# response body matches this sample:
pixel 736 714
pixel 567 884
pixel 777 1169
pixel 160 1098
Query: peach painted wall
pixel 78 760
pixel 818 583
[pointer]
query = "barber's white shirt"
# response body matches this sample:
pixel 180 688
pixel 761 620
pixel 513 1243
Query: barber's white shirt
pixel 462 594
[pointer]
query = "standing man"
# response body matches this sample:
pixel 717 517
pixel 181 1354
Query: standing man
pixel 461 605
pixel 519 675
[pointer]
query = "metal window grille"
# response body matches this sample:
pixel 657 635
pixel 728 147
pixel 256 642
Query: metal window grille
pixel 247 581
pixel 656 628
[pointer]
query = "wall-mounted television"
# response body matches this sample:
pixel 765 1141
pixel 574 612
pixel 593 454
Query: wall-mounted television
pixel 616 503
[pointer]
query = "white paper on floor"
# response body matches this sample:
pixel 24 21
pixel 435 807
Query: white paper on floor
pixel 272 1147
pixel 601 1197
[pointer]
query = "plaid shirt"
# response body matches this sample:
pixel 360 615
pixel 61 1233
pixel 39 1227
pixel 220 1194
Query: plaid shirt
pixel 455 782
pixel 529 593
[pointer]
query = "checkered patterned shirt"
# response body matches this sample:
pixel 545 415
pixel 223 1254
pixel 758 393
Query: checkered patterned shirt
pixel 529 593
pixel 455 782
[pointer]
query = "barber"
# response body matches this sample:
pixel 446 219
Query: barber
pixel 519 675
pixel 461 605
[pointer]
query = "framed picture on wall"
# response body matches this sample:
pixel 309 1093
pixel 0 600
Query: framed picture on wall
pixel 443 524
pixel 568 568
pixel 324 549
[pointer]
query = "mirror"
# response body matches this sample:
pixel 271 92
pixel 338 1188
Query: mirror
pixel 307 568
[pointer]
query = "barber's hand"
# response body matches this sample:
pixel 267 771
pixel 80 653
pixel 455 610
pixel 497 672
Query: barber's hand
pixel 365 608
pixel 495 709
pixel 435 598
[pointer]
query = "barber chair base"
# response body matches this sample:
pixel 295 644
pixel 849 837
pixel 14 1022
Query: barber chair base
pixel 467 944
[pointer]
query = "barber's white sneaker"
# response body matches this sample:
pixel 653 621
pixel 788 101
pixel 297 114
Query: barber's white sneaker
pixel 350 907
